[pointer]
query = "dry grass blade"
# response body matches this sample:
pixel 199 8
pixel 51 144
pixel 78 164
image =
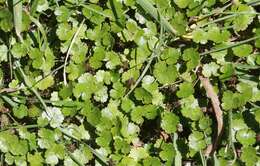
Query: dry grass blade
pixel 69 50
pixel 217 110
pixel 8 90
pixel 150 9
pixel 17 14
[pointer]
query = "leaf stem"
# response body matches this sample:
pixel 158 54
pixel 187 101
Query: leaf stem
pixel 221 10
pixel 155 54
pixel 102 159
pixel 231 14
pixel 214 12
pixel 203 161
pixel 20 126
pixel 59 102
pixel 217 20
pixel 29 84
pixel 230 46
pixel 142 75
pixel 50 73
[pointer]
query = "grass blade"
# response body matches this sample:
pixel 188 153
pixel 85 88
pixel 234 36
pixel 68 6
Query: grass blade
pixel 9 101
pixel 203 160
pixel 101 13
pixel 112 4
pixel 43 33
pixel 246 67
pixel 178 157
pixel 17 14
pixel 148 7
pixel 74 158
pixel 33 7
pixel 253 3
